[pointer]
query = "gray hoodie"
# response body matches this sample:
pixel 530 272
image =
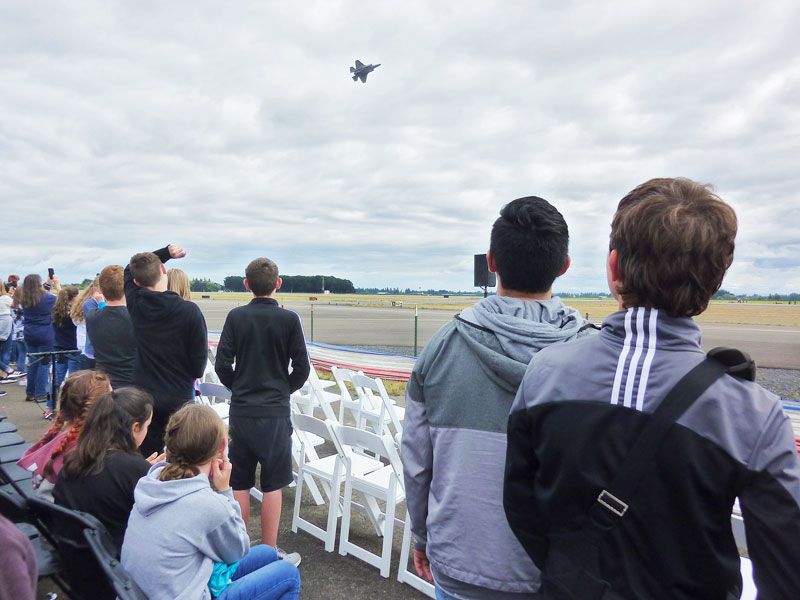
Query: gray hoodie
pixel 454 442
pixel 176 531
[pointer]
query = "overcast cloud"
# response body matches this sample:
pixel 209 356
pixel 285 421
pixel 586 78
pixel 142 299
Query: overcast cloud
pixel 234 129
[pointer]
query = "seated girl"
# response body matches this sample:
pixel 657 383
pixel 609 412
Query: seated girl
pixel 46 457
pixel 99 476
pixel 185 536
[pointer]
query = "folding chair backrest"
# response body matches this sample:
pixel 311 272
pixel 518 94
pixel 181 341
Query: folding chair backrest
pixel 342 376
pixel 124 587
pixel 64 528
pixel 367 388
pixel 319 393
pixel 376 392
pixel 214 390
pixel 308 424
pixel 380 446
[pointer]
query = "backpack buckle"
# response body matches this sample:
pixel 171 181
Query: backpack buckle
pixel 612 503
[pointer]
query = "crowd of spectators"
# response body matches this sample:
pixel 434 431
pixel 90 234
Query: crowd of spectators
pixel 543 457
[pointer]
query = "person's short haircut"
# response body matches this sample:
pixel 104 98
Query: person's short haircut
pixel 529 242
pixel 112 282
pixel 146 268
pixel 262 276
pixel 675 241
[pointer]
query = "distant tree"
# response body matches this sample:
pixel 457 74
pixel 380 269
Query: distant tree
pixel 234 283
pixel 316 284
pixel 204 285
pixel 723 295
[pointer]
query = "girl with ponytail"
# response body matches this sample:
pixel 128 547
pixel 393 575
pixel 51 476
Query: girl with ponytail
pixel 46 457
pixel 185 536
pixel 99 476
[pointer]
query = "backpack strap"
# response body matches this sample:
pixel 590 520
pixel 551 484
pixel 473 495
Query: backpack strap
pixel 612 503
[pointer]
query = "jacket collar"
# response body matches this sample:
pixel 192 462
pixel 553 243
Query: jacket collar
pixel 645 326
pixel 263 301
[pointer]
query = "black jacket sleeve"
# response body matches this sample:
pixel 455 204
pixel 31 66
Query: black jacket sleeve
pixel 299 355
pixel 518 490
pixel 198 344
pixel 226 353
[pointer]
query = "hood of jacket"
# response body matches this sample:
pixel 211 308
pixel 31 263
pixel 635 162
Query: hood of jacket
pixel 152 495
pixel 158 306
pixel 505 333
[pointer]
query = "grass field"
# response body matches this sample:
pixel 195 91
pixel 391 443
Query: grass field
pixel 750 313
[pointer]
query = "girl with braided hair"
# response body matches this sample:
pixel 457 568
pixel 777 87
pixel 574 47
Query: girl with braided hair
pixel 186 537
pixel 46 457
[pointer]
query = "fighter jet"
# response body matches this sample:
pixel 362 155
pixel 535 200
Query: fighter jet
pixel 360 71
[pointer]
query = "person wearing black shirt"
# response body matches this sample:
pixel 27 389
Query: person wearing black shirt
pixel 111 331
pixel 99 476
pixel 262 339
pixel 171 339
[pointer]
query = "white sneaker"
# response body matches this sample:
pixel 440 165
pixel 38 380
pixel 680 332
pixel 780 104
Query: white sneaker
pixel 293 558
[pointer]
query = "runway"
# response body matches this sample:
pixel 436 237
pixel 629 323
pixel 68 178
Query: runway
pixel 770 346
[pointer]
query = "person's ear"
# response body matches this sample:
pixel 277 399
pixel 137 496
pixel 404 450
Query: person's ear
pixel 163 269
pixel 614 275
pixel 278 284
pixel 246 284
pixel 567 264
pixel 137 283
pixel 136 429
pixel 490 262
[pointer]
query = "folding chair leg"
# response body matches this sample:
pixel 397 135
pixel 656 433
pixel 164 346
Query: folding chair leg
pixel 333 512
pixel 403 574
pixel 373 513
pixel 315 493
pixel 388 533
pixel 298 495
pixel 344 536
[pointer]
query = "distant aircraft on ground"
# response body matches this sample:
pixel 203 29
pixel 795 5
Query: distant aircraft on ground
pixel 360 71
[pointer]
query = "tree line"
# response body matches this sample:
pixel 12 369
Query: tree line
pixel 291 283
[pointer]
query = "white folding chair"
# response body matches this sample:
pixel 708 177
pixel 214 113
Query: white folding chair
pixel 331 471
pixel 217 396
pixel 385 484
pixel 322 398
pixel 376 406
pixel 403 573
pixel 346 401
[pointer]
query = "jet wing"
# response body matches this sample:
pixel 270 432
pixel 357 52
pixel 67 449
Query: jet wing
pixel 363 77
pixel 359 64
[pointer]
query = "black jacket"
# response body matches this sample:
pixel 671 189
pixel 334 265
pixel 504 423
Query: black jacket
pixel 262 338
pixel 171 339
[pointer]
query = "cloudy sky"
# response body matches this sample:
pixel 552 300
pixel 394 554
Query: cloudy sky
pixel 234 130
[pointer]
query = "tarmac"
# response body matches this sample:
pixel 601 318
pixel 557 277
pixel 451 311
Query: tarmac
pixel 770 346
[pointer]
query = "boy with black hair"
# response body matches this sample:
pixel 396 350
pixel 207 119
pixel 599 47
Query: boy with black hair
pixel 264 340
pixel 171 339
pixel 574 430
pixel 457 404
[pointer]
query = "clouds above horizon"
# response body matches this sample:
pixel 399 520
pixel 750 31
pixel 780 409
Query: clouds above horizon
pixel 235 131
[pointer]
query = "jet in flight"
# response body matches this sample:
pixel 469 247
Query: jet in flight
pixel 360 71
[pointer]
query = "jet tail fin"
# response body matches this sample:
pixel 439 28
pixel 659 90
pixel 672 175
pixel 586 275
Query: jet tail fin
pixel 352 70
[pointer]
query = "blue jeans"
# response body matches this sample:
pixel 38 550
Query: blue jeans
pixel 5 353
pixel 66 365
pixel 442 595
pixel 39 375
pixel 262 576
pixel 19 354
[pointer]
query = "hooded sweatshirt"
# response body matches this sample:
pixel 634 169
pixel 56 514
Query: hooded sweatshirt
pixel 171 340
pixel 176 532
pixel 454 442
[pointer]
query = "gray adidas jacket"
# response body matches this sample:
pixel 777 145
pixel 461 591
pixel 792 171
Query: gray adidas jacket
pixel 579 409
pixel 454 442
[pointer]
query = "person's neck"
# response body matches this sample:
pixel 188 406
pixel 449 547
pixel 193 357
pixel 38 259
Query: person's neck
pixel 267 297
pixel 120 302
pixel 205 469
pixel 501 291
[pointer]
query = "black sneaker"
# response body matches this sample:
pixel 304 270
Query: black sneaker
pixel 3 393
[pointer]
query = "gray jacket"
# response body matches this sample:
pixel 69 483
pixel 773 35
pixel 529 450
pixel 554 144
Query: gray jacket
pixel 176 532
pixel 454 442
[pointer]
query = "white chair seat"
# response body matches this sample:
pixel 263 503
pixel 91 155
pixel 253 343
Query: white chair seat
pixel 324 466
pixel 377 482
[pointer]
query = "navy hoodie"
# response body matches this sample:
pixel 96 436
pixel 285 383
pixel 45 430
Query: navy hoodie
pixel 171 339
